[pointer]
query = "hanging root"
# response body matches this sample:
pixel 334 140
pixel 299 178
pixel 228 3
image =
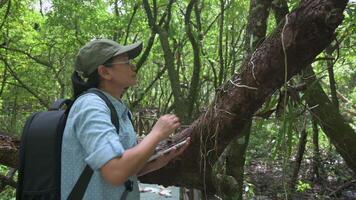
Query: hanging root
pixel 253 66
pixel 243 86
pixel 213 120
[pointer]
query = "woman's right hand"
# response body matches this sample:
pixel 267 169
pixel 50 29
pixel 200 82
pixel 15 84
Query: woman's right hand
pixel 165 125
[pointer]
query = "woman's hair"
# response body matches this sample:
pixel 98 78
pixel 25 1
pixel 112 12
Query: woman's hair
pixel 79 85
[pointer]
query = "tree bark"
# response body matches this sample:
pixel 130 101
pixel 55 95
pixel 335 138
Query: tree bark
pixel 9 149
pixel 306 32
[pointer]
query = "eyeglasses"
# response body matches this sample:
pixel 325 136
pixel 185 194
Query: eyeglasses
pixel 128 62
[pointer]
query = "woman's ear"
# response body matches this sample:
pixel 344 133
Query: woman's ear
pixel 104 72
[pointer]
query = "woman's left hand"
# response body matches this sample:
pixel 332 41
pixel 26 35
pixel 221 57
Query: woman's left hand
pixel 163 160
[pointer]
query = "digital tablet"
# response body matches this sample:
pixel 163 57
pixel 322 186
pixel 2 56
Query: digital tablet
pixel 162 152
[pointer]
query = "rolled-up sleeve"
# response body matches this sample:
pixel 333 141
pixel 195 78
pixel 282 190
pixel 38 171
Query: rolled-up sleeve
pixel 95 131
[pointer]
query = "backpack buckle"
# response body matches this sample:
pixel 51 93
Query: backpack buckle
pixel 129 185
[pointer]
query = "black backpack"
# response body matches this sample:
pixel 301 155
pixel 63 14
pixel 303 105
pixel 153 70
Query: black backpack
pixel 40 154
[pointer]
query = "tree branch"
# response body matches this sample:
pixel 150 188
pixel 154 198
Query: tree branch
pixel 130 22
pixel 158 76
pixel 37 60
pixel 147 50
pixel 35 94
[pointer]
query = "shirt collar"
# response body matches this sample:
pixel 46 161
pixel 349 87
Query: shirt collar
pixel 120 107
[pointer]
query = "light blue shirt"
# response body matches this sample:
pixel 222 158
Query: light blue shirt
pixel 90 138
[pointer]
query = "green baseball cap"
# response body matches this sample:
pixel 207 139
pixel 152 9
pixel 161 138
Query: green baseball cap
pixel 98 51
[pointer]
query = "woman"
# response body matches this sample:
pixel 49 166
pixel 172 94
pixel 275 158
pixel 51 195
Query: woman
pixel 89 136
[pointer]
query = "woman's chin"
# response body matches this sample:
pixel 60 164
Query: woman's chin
pixel 134 83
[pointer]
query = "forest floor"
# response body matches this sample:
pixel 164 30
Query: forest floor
pixel 265 181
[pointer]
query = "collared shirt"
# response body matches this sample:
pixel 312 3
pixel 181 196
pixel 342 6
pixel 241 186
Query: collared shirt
pixel 90 138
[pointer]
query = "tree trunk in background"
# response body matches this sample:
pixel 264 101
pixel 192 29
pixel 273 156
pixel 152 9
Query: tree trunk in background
pixel 330 63
pixel 298 159
pixel 146 51
pixel 316 152
pixel 229 182
pixel 196 46
pixel 180 104
pixel 280 8
pixel 228 171
pixel 221 35
pixel 195 79
pixel 308 30
pixel 332 83
pixel 341 135
pixel 235 162
pixel 257 24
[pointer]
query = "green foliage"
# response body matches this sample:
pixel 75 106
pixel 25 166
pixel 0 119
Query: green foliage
pixel 9 192
pixel 302 186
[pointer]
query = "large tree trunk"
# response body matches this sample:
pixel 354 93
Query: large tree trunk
pixel 309 29
pixel 306 32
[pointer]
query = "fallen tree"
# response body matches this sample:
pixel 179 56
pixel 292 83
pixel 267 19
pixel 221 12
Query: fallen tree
pixel 297 40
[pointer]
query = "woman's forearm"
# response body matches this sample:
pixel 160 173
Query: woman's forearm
pixel 117 170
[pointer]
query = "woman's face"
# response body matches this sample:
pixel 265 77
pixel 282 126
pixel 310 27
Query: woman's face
pixel 122 71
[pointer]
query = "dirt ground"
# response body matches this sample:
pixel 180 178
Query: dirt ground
pixel 335 181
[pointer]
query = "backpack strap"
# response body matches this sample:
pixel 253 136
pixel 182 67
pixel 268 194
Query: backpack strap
pixel 129 114
pixel 59 103
pixel 84 179
pixel 81 185
pixel 114 117
pixel 128 188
